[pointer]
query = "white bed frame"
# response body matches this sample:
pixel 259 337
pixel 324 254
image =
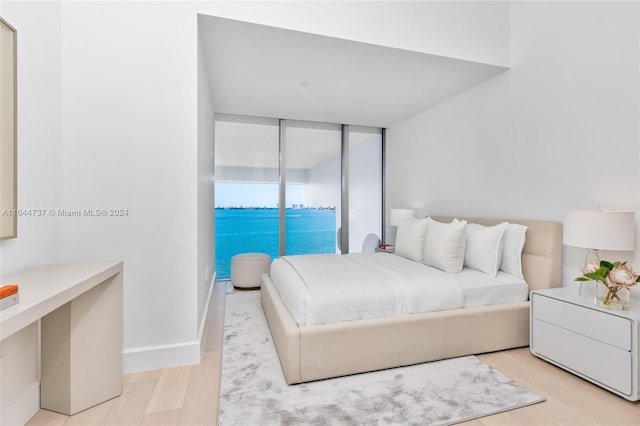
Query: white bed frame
pixel 317 352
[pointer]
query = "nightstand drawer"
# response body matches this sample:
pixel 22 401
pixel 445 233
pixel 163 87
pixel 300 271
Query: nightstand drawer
pixel 595 360
pixel 596 324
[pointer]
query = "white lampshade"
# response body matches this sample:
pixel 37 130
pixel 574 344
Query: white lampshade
pixel 398 215
pixel 599 230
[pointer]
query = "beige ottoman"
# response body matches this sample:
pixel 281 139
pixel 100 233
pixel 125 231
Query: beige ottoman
pixel 247 269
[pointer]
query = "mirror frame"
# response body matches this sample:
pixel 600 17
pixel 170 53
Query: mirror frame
pixel 8 132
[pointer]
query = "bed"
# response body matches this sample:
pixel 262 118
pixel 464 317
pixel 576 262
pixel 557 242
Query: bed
pixel 321 351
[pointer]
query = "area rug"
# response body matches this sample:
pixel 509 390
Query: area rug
pixel 253 390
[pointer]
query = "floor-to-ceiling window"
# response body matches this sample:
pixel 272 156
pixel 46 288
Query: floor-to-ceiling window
pixel 246 188
pixel 312 173
pixel 365 185
pixel 280 187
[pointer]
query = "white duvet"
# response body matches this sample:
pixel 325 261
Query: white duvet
pixel 320 289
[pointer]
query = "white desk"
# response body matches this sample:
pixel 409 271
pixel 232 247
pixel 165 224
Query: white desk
pixel 81 313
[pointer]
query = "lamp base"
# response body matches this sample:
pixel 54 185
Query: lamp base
pixel 591 263
pixel 591 260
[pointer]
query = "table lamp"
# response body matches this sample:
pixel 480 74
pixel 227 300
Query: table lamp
pixel 398 215
pixel 598 230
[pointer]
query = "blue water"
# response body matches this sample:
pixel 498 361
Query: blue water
pixel 256 230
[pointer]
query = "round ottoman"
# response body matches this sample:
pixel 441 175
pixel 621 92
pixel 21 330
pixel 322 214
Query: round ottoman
pixel 247 269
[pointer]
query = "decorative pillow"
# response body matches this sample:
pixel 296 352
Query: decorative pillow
pixel 485 245
pixel 444 245
pixel 410 238
pixel 514 239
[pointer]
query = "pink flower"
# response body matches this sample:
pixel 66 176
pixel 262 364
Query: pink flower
pixel 621 276
pixel 589 268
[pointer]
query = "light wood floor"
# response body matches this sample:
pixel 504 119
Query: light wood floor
pixel 189 395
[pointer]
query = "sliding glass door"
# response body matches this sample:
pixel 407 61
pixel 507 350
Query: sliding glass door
pixel 292 187
pixel 312 164
pixel 365 187
pixel 246 188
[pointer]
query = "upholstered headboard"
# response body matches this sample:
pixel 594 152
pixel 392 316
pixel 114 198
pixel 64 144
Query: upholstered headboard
pixel 542 254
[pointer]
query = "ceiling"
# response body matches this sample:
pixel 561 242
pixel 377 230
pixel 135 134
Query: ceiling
pixel 264 71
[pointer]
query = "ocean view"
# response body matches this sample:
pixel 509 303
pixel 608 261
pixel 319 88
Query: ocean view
pixel 243 230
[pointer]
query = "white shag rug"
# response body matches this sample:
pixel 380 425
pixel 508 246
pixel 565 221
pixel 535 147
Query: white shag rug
pixel 253 390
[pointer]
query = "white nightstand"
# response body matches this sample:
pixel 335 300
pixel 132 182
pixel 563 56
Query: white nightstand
pixel 597 344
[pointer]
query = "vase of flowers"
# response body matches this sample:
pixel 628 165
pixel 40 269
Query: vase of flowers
pixel 613 283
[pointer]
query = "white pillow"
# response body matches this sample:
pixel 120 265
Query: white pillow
pixel 410 238
pixel 514 239
pixel 444 245
pixel 485 245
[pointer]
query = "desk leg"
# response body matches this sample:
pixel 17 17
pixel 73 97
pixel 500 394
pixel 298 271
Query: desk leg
pixel 81 350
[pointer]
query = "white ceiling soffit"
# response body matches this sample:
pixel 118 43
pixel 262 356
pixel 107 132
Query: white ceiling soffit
pixel 265 71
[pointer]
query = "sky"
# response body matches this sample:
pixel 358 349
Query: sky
pixel 231 194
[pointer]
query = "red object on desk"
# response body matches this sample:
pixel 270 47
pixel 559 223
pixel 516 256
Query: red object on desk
pixel 8 290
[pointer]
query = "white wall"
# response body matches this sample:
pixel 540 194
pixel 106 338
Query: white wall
pixel 206 214
pixel 39 175
pixel 39 134
pixel 130 142
pixel 559 130
pixel 20 376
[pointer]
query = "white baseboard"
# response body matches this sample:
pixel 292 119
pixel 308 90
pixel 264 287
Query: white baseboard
pixel 26 406
pixel 161 356
pixel 203 321
pixel 172 355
